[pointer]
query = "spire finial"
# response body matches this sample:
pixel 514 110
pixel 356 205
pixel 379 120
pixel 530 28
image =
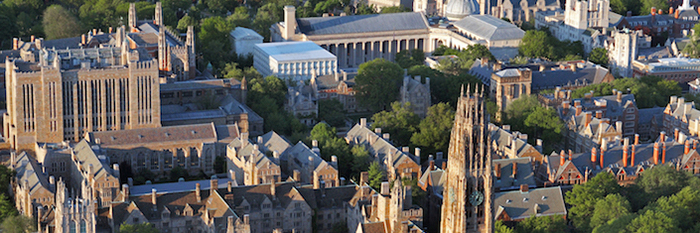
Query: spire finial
pixel 469 87
pixel 461 91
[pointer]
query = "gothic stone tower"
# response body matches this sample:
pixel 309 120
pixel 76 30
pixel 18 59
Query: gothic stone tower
pixel 468 193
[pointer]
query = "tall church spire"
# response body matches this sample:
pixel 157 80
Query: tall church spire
pixel 468 192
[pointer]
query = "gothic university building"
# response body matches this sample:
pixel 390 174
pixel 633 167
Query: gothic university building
pixel 59 90
pixel 468 196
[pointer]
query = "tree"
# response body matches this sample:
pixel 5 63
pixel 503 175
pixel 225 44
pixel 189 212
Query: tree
pixel 499 227
pixel 616 225
pixel 330 144
pixel 322 132
pixel 60 23
pixel 535 44
pixel 583 198
pixel 599 56
pixel 185 22
pixel 360 160
pixel 377 84
pixel 544 123
pixel 6 174
pixel 214 43
pixel 365 9
pixel 653 221
pixel 331 111
pixel 661 181
pixel 394 9
pixel 692 49
pixel 542 224
pixel 266 16
pixel 178 172
pixel 400 122
pixel 410 58
pixel 138 228
pixel 613 206
pixel 648 4
pixel 376 175
pixel 517 111
pixel 433 132
pixel 446 88
pixel 7 208
pixel 240 17
pixel 220 164
pixel 18 224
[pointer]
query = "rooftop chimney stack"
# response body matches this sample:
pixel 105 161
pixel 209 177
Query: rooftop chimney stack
pixel 153 197
pixel 214 183
pixel 675 134
pixel 198 192
pixel 498 171
pixel 636 139
pixel 125 191
pixel 662 136
pixel 625 152
pixel 562 158
pixel 663 153
pixel 633 152
pixel 656 153
pixel 594 155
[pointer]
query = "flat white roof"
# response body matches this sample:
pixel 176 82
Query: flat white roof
pixel 295 51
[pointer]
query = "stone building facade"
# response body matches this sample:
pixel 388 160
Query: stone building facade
pixel 509 85
pixel 191 147
pixel 398 162
pixel 339 86
pixel 417 93
pixel 249 165
pixel 31 187
pixel 468 187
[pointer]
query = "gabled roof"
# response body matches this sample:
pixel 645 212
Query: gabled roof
pixel 489 28
pixel 86 156
pixel 520 205
pixel 362 23
pixel 271 141
pixel 590 74
pixel 28 170
pixel 524 173
pixel 168 134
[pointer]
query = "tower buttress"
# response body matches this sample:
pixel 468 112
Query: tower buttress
pixel 163 55
pixel 159 15
pixel 132 18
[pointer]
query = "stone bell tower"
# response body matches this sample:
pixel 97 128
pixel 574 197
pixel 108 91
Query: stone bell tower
pixel 468 193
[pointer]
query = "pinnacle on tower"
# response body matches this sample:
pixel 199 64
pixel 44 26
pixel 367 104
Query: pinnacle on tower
pixel 132 18
pixel 159 15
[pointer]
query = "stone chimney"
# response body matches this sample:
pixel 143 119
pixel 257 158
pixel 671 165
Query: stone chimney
pixel 439 155
pixel 514 174
pixel 229 186
pixel 498 171
pixel 619 97
pixel 687 147
pixel 15 43
pixel 273 189
pixel 214 183
pixel 385 188
pixel 364 178
pixel 363 122
pixel 656 153
pixel 316 180
pixel 579 109
pixel 539 145
pixel 378 131
pixel 153 197
pixel 570 155
pixel 334 161
pixel 636 139
pixel 198 192
pixel 587 118
pixel 386 136
pixel 598 114
pixel 594 155
pixel 662 136
pixel 229 222
pixel 524 188
pixel 675 134
pixel 290 22
pixel 125 191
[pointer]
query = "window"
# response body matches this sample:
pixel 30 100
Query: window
pixel 187 94
pixel 199 93
pixel 266 215
pixel 136 220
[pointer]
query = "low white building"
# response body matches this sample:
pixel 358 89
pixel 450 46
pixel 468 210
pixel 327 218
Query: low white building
pixel 293 60
pixel 244 40
pixel 694 87
pixel 502 38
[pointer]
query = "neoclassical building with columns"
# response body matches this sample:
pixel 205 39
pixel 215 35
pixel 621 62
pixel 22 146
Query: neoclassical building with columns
pixel 356 39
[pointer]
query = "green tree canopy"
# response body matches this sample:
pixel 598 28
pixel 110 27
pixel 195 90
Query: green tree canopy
pixel 60 23
pixel 376 175
pixel 599 56
pixel 377 84
pixel 410 58
pixel 332 112
pixel 360 160
pixel 18 224
pixel 400 122
pixel 613 206
pixel 652 221
pixel 138 228
pixel 583 198
pixel 692 49
pixel 543 224
pixel 649 91
pixel 394 9
pixel 433 132
pixel 535 44
pixel 648 4
pixel 544 123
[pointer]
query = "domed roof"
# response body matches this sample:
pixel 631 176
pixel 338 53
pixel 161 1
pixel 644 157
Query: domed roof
pixel 458 9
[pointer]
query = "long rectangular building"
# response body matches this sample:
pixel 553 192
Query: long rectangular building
pixel 73 91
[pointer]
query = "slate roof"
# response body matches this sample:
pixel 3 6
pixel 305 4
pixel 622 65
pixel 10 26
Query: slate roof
pixel 28 169
pixel 490 28
pixel 86 156
pixel 516 3
pixel 590 74
pixel 176 187
pixel 167 134
pixel 71 43
pixel 362 23
pixel 503 140
pixel 613 108
pixel 193 85
pixel 524 174
pixel 301 153
pixel 271 141
pixel 327 198
pixel 520 205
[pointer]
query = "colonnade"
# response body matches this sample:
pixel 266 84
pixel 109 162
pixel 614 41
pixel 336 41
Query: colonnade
pixel 352 54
